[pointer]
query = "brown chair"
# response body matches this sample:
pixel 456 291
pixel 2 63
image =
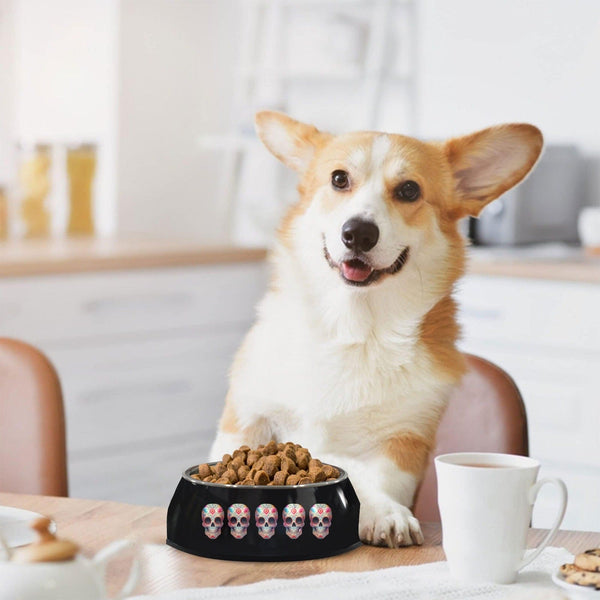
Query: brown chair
pixel 485 414
pixel 33 456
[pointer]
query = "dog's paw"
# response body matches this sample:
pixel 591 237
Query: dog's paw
pixel 392 525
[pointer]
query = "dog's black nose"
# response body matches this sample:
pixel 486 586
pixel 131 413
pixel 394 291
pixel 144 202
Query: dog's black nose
pixel 359 235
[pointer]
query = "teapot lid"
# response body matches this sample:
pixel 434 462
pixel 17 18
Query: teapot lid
pixel 46 548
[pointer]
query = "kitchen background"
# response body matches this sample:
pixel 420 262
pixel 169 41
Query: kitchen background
pixel 135 202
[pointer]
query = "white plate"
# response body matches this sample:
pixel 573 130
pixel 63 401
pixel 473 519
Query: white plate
pixel 14 526
pixel 575 591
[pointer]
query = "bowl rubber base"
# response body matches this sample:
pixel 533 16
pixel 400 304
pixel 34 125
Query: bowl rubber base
pixel 262 557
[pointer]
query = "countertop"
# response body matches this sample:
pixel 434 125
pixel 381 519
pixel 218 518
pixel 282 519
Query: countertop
pixel 73 255
pixel 546 261
pixel 43 257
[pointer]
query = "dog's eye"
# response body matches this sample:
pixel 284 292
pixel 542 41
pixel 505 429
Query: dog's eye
pixel 409 191
pixel 340 180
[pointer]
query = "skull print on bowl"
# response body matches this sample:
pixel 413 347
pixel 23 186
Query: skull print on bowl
pixel 320 520
pixel 212 520
pixel 238 519
pixel 293 520
pixel 266 520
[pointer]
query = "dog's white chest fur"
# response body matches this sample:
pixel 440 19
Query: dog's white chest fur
pixel 344 380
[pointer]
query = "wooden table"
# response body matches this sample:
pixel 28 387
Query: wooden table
pixel 94 524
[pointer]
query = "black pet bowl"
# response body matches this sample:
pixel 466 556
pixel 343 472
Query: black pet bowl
pixel 263 522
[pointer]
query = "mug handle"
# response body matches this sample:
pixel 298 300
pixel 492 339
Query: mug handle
pixel 107 554
pixel 531 497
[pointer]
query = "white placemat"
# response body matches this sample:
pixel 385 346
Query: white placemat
pixel 421 582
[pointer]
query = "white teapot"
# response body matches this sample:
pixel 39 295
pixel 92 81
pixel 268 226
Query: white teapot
pixel 51 569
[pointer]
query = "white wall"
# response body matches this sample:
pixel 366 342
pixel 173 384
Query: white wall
pixel 175 83
pixel 6 91
pixel 512 60
pixel 164 70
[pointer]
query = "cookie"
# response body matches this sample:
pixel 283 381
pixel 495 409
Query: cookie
pixel 582 577
pixel 589 560
pixel 569 569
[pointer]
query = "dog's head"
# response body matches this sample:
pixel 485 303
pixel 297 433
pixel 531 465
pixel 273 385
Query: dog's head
pixel 379 210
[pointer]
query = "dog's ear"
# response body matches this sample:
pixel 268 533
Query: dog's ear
pixel 487 163
pixel 292 142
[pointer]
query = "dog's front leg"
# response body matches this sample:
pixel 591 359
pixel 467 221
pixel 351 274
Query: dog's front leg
pixel 231 436
pixel 385 493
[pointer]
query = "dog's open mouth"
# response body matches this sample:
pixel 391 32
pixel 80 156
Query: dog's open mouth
pixel 357 271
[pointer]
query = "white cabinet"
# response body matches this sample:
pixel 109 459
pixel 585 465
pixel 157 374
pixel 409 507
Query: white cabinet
pixel 143 357
pixel 546 335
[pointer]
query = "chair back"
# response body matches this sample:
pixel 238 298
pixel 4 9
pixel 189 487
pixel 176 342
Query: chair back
pixel 485 413
pixel 33 456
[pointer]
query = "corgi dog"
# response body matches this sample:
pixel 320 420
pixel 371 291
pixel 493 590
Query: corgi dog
pixel 353 353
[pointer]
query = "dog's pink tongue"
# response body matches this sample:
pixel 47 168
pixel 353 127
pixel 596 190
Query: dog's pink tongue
pixel 355 271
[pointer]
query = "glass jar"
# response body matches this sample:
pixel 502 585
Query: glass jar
pixel 34 178
pixel 81 168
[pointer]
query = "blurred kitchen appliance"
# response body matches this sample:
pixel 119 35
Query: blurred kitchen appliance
pixel 544 208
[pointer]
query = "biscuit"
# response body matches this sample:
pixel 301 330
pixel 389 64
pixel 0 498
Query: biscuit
pixel 589 560
pixel 583 577
pixel 569 569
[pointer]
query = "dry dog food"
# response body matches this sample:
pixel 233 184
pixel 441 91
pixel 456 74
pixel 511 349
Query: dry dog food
pixel 585 571
pixel 271 464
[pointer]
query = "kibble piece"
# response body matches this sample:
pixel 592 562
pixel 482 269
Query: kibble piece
pixel 240 454
pixel 195 476
pixel 244 448
pixel 271 465
pixel 231 475
pixel 302 459
pixel 292 480
pixel 318 476
pixel 252 457
pixel 236 463
pixel 258 465
pixel 209 478
pixel 314 465
pixel 223 481
pixel 287 464
pixel 270 448
pixel 243 472
pixel 204 471
pixel 219 469
pixel 331 478
pixel 331 472
pixel 289 452
pixel 261 478
pixel 226 459
pixel 247 482
pixel 280 478
pixel 301 473
pixel 304 480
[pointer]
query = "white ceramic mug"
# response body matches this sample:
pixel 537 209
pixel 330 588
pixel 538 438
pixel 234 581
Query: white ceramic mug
pixel 486 512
